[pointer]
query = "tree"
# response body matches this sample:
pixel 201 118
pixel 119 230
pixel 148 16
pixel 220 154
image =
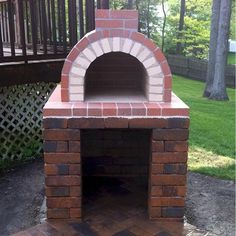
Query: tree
pixel 130 4
pixel 212 49
pixel 181 26
pixel 163 26
pixel 219 88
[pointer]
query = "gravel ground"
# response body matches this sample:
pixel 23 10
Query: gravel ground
pixel 210 201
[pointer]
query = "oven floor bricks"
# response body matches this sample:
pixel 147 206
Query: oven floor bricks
pixel 168 163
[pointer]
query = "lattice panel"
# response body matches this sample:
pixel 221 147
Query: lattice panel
pixel 21 119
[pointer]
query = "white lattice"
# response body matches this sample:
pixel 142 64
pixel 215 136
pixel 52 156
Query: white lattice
pixel 21 119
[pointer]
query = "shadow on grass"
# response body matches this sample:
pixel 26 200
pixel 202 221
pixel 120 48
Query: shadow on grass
pixel 223 172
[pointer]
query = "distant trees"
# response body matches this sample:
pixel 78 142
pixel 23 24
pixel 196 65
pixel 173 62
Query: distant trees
pixel 220 25
pixel 181 26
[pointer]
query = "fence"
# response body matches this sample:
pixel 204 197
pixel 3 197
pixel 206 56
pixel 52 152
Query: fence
pixel 42 29
pixel 197 69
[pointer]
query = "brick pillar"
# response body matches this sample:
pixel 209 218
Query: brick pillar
pixel 62 169
pixel 168 170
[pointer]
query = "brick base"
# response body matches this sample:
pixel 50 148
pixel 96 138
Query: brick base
pixel 167 165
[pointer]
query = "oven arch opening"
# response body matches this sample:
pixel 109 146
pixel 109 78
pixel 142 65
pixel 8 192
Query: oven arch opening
pixel 116 76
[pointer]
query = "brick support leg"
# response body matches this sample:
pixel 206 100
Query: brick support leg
pixel 168 169
pixel 62 170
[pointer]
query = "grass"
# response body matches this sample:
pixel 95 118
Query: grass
pixel 212 130
pixel 231 58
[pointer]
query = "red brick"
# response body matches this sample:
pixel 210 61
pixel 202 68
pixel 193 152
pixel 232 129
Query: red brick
pixel 101 13
pixel 147 123
pixel 86 123
pixel 165 68
pixel 64 95
pixel 106 33
pixel 54 123
pixel 176 146
pixel 168 179
pixel 82 44
pixel 175 111
pixel 170 134
pixel 155 212
pixel 74 146
pixel 62 180
pixel 116 33
pixel 73 54
pixel 94 109
pixel 156 191
pixel 131 24
pixel 66 67
pixel 159 55
pixel 75 213
pixel 169 157
pixel 80 109
pixel 180 169
pixel 95 36
pixel 173 212
pixel 167 98
pixel 124 14
pixel 57 191
pixel 168 82
pixel 153 109
pixel 116 122
pixel 109 109
pixel 75 191
pixel 109 24
pixel 157 146
pixel 63 202
pixel 138 109
pixel 124 109
pixel 167 201
pixel 62 158
pixel 58 111
pixel 74 169
pixel 173 191
pixel 61 134
pixel 177 122
pixel 55 146
pixel 64 81
pixel 58 213
pixel 157 168
pixel 136 36
pixel 56 169
pixel 150 44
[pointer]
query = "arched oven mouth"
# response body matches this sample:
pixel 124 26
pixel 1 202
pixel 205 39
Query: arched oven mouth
pixel 116 76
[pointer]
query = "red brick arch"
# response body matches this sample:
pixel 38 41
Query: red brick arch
pixel 100 42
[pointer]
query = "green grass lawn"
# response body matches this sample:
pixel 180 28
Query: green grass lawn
pixel 231 58
pixel 212 129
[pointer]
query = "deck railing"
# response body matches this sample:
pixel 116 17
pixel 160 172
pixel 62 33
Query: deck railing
pixel 43 29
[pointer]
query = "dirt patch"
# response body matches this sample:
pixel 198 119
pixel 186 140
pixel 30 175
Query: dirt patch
pixel 21 197
pixel 210 201
pixel 211 204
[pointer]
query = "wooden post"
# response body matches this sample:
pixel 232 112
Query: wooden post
pixel 17 24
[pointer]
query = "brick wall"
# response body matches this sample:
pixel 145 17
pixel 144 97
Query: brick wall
pixel 167 166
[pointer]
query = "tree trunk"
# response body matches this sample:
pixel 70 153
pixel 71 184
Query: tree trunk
pixel 212 47
pixel 219 89
pixel 130 4
pixel 104 4
pixel 163 26
pixel 148 19
pixel 181 26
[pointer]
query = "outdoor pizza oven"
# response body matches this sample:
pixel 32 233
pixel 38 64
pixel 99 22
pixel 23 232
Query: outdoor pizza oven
pixel 115 91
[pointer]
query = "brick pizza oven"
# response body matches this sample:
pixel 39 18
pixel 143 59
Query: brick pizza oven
pixel 115 83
